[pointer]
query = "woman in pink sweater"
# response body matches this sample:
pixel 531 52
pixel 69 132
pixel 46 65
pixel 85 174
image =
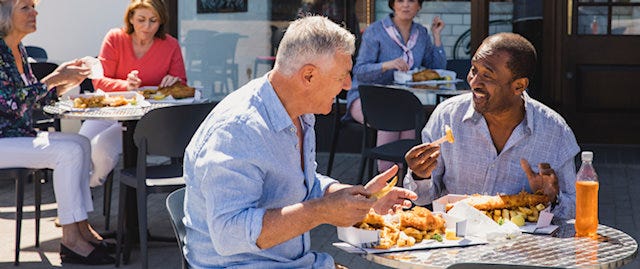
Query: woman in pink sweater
pixel 140 54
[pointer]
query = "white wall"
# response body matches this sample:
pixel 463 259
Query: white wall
pixel 69 29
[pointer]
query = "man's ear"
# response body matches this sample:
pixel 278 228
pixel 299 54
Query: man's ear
pixel 307 72
pixel 520 85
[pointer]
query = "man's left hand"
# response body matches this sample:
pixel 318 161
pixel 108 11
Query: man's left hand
pixel 545 180
pixel 396 199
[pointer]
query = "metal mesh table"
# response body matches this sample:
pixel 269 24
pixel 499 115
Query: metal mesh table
pixel 106 113
pixel 612 249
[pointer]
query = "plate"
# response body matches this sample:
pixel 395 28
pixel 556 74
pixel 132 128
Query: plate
pixel 197 96
pixel 402 77
pixel 67 103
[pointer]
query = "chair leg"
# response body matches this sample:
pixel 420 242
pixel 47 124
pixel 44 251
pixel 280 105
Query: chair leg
pixel 121 219
pixel 37 185
pixel 141 194
pixel 106 200
pixel 19 203
pixel 334 144
pixel 363 164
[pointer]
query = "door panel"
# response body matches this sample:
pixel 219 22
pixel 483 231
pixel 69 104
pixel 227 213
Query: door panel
pixel 600 96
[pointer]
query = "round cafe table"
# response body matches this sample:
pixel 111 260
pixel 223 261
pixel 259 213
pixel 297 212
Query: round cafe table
pixel 612 249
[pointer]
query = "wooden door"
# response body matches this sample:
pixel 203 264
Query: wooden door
pixel 599 94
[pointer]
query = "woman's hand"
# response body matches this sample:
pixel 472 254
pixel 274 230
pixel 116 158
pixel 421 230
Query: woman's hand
pixel 436 27
pixel 397 63
pixel 67 75
pixel 168 80
pixel 133 81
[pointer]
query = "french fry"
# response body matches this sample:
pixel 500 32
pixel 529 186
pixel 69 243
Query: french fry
pixel 540 207
pixel 505 214
pixel 381 193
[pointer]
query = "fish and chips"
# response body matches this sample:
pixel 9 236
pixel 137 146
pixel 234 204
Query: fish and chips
pixel 101 101
pixel 517 208
pixel 404 228
pixel 178 91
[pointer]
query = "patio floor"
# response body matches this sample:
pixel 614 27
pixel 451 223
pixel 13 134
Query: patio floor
pixel 618 168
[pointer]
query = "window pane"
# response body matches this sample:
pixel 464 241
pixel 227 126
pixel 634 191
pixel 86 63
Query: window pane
pixel 592 20
pixel 625 21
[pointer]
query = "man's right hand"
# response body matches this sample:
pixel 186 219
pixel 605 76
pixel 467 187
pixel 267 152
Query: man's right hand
pixel 422 159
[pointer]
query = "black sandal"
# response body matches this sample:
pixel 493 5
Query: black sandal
pixel 96 257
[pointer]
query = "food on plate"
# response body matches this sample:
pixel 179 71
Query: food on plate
pixel 178 90
pixel 425 75
pixel 101 101
pixel 381 193
pixel 517 208
pixel 404 228
pixel 148 93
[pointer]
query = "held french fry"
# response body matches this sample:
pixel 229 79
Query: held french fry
pixel 448 137
pixel 381 193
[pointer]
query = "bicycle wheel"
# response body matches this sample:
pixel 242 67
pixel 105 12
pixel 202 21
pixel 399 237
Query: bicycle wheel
pixel 462 47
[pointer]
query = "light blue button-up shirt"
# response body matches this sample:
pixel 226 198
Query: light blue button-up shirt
pixel 472 165
pixel 378 47
pixel 243 160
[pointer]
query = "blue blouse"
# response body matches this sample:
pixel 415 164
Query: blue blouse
pixel 377 47
pixel 17 98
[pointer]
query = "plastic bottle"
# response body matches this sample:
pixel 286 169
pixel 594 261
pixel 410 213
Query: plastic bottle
pixel 587 197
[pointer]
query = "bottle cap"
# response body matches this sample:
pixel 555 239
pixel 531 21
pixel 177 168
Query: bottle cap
pixel 587 156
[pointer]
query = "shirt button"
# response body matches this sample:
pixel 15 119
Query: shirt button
pixel 297 147
pixel 293 130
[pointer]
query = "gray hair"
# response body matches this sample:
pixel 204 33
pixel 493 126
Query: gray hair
pixel 310 38
pixel 6 12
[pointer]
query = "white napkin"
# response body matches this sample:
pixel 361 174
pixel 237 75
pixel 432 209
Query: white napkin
pixel 95 65
pixel 481 226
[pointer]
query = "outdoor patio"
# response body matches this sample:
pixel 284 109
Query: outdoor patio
pixel 618 168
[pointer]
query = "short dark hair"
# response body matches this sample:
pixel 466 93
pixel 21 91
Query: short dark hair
pixel 157 5
pixel 393 1
pixel 522 54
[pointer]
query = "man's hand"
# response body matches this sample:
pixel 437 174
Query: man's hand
pixel 345 206
pixel 545 180
pixel 396 199
pixel 422 159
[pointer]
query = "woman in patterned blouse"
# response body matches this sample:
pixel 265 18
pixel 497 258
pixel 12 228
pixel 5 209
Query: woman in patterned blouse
pixel 21 146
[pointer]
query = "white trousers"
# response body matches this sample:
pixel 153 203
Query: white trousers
pixel 106 146
pixel 68 156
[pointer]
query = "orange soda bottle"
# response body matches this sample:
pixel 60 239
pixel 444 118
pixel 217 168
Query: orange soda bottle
pixel 586 198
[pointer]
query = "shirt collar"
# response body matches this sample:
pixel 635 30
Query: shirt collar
pixel 276 113
pixel 474 116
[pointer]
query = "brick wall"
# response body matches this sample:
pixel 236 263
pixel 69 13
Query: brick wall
pixel 457 18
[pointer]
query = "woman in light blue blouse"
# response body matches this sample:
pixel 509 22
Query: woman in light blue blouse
pixel 394 43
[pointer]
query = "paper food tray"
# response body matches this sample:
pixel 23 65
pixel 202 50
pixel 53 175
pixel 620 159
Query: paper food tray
pixel 357 240
pixel 476 218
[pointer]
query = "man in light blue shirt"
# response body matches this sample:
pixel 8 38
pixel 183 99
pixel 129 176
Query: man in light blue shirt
pixel 498 130
pixel 253 192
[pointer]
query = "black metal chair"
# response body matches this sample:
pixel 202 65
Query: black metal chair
pixel 37 53
pixel 21 176
pixel 41 120
pixel 175 206
pixel 164 131
pixel 389 109
pixel 340 126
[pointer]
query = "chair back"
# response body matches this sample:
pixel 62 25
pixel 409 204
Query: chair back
pixel 175 206
pixel 37 53
pixel 390 109
pixel 42 69
pixel 460 66
pixel 166 131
